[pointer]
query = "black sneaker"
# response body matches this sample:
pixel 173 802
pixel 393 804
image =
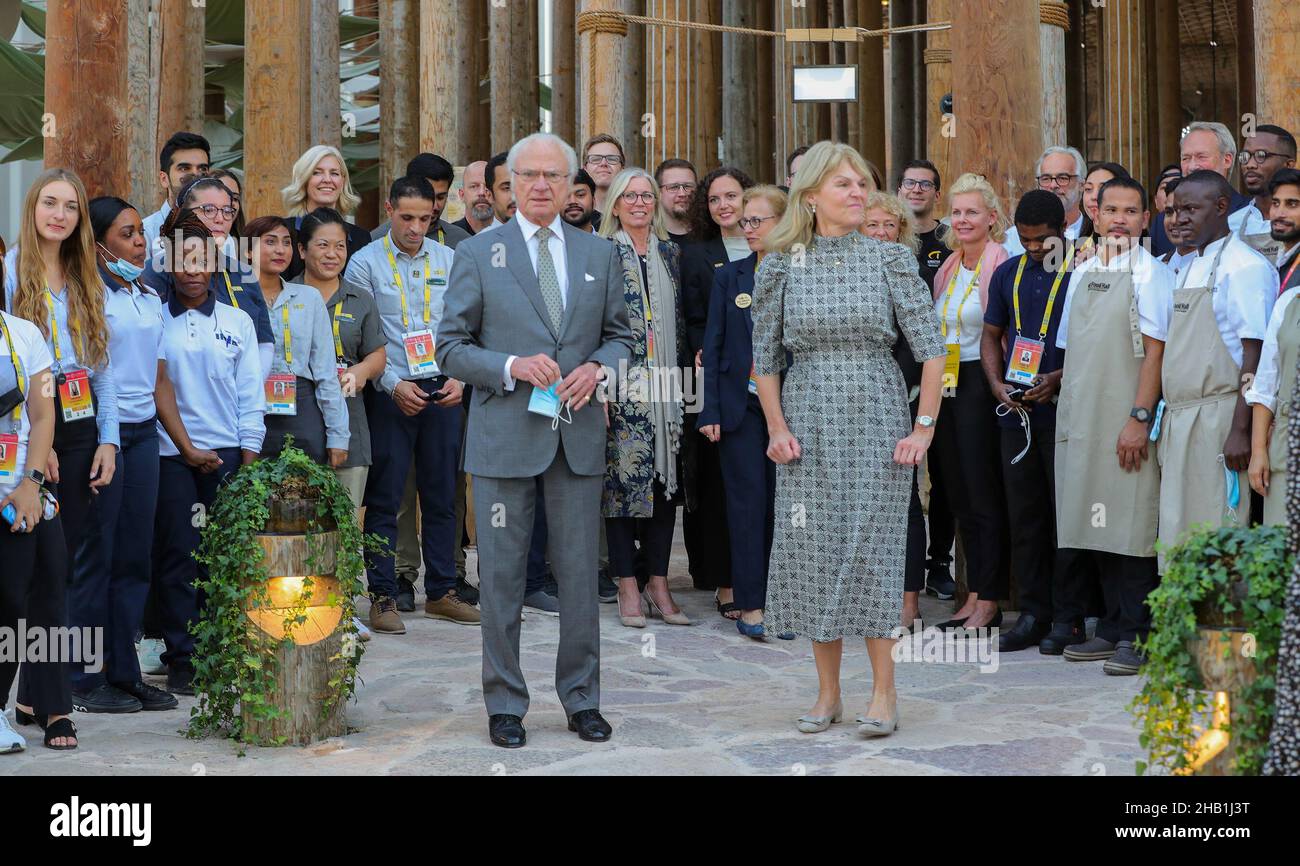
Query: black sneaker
pixel 104 698
pixel 1126 661
pixel 405 595
pixel 939 582
pixel 466 591
pixel 606 589
pixel 151 697
pixel 180 680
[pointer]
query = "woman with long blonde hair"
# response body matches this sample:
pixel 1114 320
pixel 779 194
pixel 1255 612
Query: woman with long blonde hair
pixel 838 429
pixel 319 179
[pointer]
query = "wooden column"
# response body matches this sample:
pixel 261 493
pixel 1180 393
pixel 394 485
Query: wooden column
pixel 399 89
pixel 600 61
pixel 902 66
pixel 766 51
pixel 1052 35
pixel 448 88
pixel 635 86
pixel 740 119
pixel 291 92
pixel 938 83
pixel 706 85
pixel 1166 88
pixel 1124 43
pixel 871 85
pixel 998 107
pixel 564 79
pixel 1277 63
pixel 178 49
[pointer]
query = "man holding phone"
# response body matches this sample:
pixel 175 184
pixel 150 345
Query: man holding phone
pixel 415 414
pixel 1023 366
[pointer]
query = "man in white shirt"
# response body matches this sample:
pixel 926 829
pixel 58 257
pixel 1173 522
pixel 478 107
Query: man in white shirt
pixel 184 157
pixel 1060 171
pixel 1270 150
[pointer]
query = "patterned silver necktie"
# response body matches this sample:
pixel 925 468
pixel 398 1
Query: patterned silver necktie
pixel 547 280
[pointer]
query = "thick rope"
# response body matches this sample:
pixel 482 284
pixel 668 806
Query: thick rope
pixel 604 21
pixel 1055 13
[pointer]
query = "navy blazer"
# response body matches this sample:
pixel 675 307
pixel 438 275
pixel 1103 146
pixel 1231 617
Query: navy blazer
pixel 729 346
pixel 700 265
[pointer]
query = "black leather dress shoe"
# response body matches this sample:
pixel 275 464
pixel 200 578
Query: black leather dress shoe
pixel 151 698
pixel 507 731
pixel 591 726
pixel 104 698
pixel 1027 632
pixel 1062 635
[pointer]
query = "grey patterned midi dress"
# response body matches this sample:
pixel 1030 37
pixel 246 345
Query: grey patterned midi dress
pixel 841 510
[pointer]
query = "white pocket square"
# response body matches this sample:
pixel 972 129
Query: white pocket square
pixel 590 278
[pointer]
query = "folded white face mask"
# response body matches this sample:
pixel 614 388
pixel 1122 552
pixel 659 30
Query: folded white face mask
pixel 547 403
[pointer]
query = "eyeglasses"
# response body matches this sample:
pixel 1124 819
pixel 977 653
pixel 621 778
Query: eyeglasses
pixel 680 187
pixel 1258 155
pixel 748 223
pixel 1058 179
pixel 552 177
pixel 611 159
pixel 210 211
pixel 913 183
pixel 634 197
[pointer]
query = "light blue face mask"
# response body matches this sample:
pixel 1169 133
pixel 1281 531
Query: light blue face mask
pixel 122 267
pixel 1232 486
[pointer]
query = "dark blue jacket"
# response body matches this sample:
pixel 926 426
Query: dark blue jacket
pixel 728 346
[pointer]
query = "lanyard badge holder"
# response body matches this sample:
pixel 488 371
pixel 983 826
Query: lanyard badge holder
pixel 419 344
pixel 1027 354
pixel 547 404
pixel 75 398
pixel 952 362
pixel 9 439
pixel 282 388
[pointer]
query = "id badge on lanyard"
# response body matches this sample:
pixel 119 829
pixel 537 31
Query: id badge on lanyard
pixel 8 457
pixel 1026 358
pixel 952 362
pixel 74 396
pixel 282 394
pixel 419 353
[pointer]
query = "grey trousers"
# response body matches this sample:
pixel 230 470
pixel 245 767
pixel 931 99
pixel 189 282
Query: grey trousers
pixel 503 509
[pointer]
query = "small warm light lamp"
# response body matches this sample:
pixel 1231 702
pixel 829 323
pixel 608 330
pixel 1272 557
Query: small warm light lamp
pixel 1213 741
pixel 323 611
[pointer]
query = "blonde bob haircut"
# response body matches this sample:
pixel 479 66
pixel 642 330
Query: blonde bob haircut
pixel 610 224
pixel 295 194
pixel 899 211
pixel 799 224
pixel 969 183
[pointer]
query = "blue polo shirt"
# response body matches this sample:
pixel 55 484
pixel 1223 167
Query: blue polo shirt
pixel 1035 287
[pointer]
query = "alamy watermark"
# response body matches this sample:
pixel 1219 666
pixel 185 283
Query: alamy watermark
pixel 79 645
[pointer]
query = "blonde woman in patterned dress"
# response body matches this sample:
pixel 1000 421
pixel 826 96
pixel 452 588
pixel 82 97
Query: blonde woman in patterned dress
pixel 838 428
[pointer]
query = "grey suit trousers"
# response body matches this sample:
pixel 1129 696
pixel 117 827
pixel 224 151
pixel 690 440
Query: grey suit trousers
pixel 504 510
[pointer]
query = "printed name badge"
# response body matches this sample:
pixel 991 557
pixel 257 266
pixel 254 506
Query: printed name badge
pixel 419 353
pixel 281 394
pixel 952 365
pixel 74 396
pixel 1026 358
pixel 8 457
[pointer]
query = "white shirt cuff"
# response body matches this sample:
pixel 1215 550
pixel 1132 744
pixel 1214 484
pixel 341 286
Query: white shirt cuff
pixel 506 378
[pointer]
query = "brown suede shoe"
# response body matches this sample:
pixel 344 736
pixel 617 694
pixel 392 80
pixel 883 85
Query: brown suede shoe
pixel 452 608
pixel 384 618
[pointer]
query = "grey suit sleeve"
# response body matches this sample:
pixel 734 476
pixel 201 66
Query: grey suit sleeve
pixel 458 351
pixel 616 339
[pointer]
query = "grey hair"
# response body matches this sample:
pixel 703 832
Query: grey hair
pixel 1227 144
pixel 512 158
pixel 1080 164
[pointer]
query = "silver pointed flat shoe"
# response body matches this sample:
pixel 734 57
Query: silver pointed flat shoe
pixel 817 724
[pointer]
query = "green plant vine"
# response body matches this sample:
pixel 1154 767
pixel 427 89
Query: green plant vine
pixel 235 662
pixel 1234 573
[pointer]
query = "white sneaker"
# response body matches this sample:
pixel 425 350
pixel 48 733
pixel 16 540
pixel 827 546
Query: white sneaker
pixel 150 652
pixel 10 740
pixel 363 633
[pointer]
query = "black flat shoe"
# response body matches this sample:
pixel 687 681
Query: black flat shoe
pixel 151 698
pixel 506 731
pixel 950 624
pixel 1027 632
pixel 591 726
pixel 104 698
pixel 23 718
pixel 1062 635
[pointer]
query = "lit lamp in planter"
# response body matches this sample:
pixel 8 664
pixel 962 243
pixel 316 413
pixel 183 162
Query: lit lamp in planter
pixel 1226 668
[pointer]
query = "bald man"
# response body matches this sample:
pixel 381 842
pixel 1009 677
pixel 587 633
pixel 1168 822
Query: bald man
pixel 476 197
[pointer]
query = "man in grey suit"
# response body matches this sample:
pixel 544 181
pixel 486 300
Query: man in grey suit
pixel 536 305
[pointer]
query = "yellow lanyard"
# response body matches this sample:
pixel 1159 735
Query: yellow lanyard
pixel 288 338
pixel 442 237
pixel 338 340
pixel 54 329
pixel 16 418
pixel 952 285
pixel 230 290
pixel 397 280
pixel 1051 298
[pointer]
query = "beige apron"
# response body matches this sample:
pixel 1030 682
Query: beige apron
pixel 1099 506
pixel 1262 243
pixel 1288 351
pixel 1201 385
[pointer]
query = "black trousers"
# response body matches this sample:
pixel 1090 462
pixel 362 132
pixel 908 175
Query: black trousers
pixel 914 571
pixel 708 561
pixel 970 452
pixel 943 529
pixel 34 589
pixel 1126 581
pixel 750 480
pixel 653 535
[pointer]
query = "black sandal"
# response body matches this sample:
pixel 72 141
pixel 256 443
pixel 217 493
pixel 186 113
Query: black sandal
pixel 62 728
pixel 726 609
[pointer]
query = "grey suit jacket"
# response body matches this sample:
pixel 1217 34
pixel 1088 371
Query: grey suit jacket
pixel 494 309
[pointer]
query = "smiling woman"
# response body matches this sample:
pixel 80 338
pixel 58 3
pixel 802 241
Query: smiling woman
pixel 320 179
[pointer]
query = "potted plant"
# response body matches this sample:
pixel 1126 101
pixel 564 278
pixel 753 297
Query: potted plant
pixel 1207 701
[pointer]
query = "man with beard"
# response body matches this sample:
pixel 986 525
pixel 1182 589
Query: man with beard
pixel 581 205
pixel 677 180
pixel 440 174
pixel 477 198
pixel 184 157
pixel 503 199
pixel 1285 215
pixel 1264 154
pixel 1060 171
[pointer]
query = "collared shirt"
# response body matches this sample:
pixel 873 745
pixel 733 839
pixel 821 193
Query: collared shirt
pixel 1252 218
pixel 1179 262
pixel 153 225
pixel 1268 376
pixel 34 356
pixel 211 355
pixel 1153 283
pixel 1014 247
pixel 135 325
pixel 360 333
pixel 1245 287
pixel 66 359
pixel 556 245
pixel 495 224
pixel 371 271
pixel 448 234
pixel 1035 288
pixel 310 354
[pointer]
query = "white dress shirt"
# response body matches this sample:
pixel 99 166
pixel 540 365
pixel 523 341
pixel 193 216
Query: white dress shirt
pixel 1263 388
pixel 556 245
pixel 153 225
pixel 1153 283
pixel 1251 218
pixel 1245 287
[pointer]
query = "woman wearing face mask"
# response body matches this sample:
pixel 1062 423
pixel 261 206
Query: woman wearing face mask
pixel 732 417
pixel 212 366
pixel 303 396
pixel 320 179
pixel 56 286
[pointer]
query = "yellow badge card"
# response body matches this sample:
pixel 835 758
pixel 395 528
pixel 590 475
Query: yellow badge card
pixel 74 396
pixel 8 457
pixel 1026 358
pixel 281 394
pixel 419 353
pixel 951 366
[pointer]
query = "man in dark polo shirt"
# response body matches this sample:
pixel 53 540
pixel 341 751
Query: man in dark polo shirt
pixel 1026 297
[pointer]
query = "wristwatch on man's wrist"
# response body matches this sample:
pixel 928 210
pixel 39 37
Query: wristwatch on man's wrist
pixel 1143 415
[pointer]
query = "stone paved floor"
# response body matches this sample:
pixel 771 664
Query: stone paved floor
pixel 699 700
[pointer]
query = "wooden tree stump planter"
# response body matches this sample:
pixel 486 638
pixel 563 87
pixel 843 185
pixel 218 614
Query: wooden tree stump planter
pixel 306 666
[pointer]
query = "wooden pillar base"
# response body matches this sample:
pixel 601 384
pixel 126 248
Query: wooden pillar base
pixel 302 688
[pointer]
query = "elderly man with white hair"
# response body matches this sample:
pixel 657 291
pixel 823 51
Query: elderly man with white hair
pixel 1205 145
pixel 1060 171
pixel 533 317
